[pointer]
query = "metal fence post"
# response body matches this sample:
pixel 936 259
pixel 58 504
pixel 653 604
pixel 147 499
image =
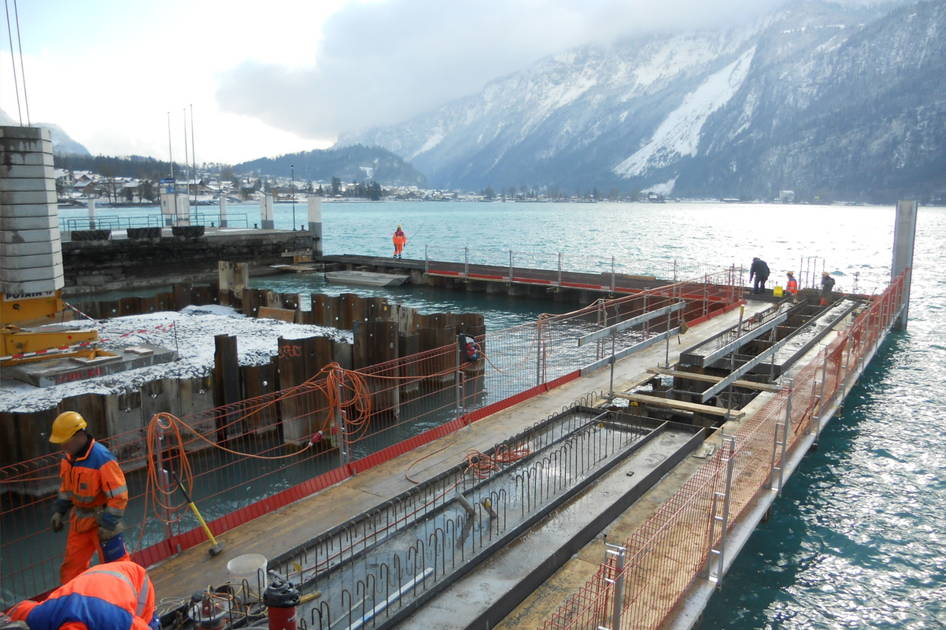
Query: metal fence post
pixel 458 384
pixel 617 605
pixel 611 382
pixel 612 275
pixel 784 440
pixel 344 457
pixel 722 520
pixel 510 266
pixel 466 262
pixel 538 351
pixel 560 269
pixel 426 261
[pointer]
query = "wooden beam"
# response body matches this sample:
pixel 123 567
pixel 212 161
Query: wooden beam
pixel 680 405
pixel 709 378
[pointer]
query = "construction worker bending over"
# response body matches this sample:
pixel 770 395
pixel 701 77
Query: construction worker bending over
pixel 111 596
pixel 93 486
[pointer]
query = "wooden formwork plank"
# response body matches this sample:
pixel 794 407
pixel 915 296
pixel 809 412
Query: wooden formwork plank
pixel 680 405
pixel 709 378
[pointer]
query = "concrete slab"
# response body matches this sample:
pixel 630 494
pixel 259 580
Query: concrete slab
pixel 484 596
pixel 70 369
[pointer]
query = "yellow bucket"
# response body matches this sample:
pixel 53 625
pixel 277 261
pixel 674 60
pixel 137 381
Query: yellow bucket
pixel 777 291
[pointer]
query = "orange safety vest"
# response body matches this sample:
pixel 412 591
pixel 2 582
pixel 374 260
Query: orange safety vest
pixel 792 286
pixel 399 238
pixel 94 484
pixel 113 596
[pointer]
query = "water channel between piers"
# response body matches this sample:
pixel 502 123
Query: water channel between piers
pixel 295 525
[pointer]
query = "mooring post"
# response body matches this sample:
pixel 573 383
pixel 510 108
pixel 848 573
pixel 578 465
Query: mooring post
pixel 904 235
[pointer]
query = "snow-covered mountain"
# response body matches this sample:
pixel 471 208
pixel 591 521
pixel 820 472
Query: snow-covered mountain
pixel 63 144
pixel 819 98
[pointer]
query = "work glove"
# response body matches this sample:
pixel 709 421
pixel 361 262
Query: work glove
pixel 56 522
pixel 110 529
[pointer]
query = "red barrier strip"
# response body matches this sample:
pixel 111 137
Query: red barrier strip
pixel 185 540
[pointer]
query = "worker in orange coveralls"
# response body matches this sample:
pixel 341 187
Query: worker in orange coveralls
pixel 400 240
pixel 111 596
pixel 93 486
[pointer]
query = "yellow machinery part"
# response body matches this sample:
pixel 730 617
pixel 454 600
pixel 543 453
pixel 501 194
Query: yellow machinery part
pixel 14 340
pixel 28 309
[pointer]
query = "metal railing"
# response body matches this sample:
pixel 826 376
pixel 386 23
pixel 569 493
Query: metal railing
pixel 550 268
pixel 413 400
pixel 123 222
pixel 684 540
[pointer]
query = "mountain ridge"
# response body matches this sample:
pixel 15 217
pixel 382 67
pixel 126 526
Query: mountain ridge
pixel 794 100
pixel 63 144
pixel 350 163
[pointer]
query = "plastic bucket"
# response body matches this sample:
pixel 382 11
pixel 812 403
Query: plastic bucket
pixel 777 291
pixel 250 567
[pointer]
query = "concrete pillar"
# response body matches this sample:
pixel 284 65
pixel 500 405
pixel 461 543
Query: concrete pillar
pixel 223 212
pixel 315 224
pixel 91 206
pixel 31 252
pixel 904 235
pixel 266 212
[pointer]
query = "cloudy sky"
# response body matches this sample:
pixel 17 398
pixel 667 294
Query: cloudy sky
pixel 271 77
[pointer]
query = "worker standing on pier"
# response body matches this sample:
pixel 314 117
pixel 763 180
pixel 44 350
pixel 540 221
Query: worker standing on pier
pixel 827 287
pixel 93 486
pixel 758 274
pixel 791 284
pixel 400 240
pixel 111 596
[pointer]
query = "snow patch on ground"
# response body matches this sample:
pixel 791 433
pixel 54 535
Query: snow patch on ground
pixel 192 335
pixel 679 134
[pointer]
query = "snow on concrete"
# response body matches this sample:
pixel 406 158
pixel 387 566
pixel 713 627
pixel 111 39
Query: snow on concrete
pixel 679 134
pixel 190 332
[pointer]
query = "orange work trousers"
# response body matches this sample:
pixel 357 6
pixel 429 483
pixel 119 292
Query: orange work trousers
pixel 80 547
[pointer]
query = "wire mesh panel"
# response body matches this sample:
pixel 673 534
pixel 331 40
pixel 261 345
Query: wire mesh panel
pixel 684 537
pixel 239 460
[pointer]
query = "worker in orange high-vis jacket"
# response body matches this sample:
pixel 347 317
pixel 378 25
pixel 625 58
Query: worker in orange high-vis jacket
pixel 791 284
pixel 400 240
pixel 110 596
pixel 93 486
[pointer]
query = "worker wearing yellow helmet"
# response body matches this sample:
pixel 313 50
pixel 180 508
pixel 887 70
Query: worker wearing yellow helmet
pixel 92 486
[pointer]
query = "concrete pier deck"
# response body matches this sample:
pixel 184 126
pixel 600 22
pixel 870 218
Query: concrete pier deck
pixel 539 606
pixel 299 522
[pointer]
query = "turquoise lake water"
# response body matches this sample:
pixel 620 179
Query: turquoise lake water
pixel 858 537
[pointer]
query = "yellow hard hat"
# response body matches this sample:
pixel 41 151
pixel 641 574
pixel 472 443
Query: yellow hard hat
pixel 67 424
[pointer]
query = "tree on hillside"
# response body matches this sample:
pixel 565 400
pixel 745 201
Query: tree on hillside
pixel 336 186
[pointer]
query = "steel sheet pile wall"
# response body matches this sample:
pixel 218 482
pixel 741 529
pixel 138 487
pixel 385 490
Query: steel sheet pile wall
pixel 684 539
pixel 414 399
